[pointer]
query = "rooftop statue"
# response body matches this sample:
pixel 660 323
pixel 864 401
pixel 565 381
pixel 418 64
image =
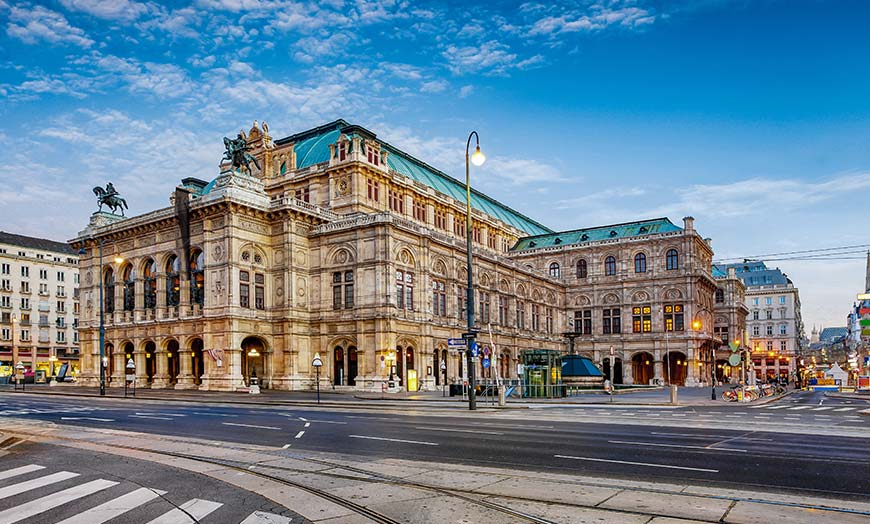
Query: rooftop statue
pixel 237 153
pixel 111 198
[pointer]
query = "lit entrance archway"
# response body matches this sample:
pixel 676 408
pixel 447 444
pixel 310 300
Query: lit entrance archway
pixel 404 364
pixel 197 364
pixel 254 360
pixel 642 368
pixel 617 369
pixel 173 365
pixel 345 365
pixel 150 361
pixel 676 369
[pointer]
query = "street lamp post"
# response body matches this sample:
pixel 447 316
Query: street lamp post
pixel 103 361
pixel 697 325
pixel 317 363
pixel 52 360
pixel 477 158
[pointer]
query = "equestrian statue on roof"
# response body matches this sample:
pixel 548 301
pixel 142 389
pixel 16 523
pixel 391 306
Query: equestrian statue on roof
pixel 111 198
pixel 237 152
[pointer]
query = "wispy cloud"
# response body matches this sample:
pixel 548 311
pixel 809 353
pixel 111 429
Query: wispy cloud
pixel 32 24
pixel 594 18
pixel 122 10
pixel 489 57
pixel 520 171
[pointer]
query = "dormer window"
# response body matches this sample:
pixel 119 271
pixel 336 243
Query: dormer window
pixel 613 232
pixel 373 154
pixel 557 241
pixel 342 150
pixel 643 229
pixel 584 237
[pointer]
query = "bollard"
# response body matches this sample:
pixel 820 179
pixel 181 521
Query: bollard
pixel 501 399
pixel 674 395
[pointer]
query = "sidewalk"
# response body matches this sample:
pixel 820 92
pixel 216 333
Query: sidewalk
pixel 427 491
pixel 687 396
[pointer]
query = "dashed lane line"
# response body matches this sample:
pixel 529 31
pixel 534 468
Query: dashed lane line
pixel 249 426
pixel 647 464
pixel 150 417
pixel 299 435
pixel 368 437
pixel 681 446
pixel 475 431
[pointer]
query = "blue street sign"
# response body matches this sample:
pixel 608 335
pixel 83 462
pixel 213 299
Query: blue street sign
pixel 486 350
pixel 456 342
pixel 475 350
pixel 485 362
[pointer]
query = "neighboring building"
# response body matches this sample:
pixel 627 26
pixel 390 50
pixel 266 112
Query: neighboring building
pixel 730 326
pixel 774 325
pixel 39 305
pixel 344 246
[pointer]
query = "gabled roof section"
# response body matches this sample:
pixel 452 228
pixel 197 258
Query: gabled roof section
pixel 756 273
pixel 38 244
pixel 593 234
pixel 312 147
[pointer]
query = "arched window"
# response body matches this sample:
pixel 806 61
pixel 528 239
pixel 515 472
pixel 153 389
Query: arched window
pixel 109 290
pixel 673 259
pixel 197 277
pixel 129 276
pixel 173 282
pixel 149 278
pixel 581 268
pixel 640 263
pixel 555 271
pixel 720 296
pixel 610 266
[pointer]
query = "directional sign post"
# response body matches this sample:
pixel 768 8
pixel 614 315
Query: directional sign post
pixel 475 350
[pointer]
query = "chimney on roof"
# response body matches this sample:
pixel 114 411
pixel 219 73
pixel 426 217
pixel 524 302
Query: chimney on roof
pixel 689 223
pixel 709 241
pixel 732 272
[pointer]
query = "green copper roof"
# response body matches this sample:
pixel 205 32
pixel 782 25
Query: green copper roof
pixel 593 234
pixel 312 147
pixel 719 272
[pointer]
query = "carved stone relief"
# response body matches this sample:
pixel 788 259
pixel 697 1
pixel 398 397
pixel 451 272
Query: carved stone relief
pixel 279 257
pixel 254 227
pixel 640 296
pixel 217 253
pixel 300 258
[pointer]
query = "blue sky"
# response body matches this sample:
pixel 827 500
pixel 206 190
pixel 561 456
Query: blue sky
pixel 754 117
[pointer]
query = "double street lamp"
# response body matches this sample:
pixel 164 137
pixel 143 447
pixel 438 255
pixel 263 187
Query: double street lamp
pixel 103 359
pixel 477 158
pixel 697 325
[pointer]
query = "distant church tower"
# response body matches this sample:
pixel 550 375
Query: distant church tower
pixel 814 337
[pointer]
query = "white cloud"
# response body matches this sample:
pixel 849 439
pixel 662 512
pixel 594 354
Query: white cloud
pixel 520 171
pixel 466 91
pixel 488 57
pixel 34 24
pixel 311 48
pixel 123 10
pixel 434 86
pixel 597 17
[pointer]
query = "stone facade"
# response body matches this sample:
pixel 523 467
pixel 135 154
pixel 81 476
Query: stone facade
pixel 343 246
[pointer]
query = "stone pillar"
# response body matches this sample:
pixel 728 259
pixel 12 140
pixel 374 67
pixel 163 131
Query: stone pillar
pixel 118 363
pixel 185 370
pixel 161 375
pixel 139 302
pixel 141 374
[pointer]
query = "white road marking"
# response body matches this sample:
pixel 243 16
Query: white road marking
pixel 845 409
pixel 89 418
pixel 212 414
pixel 791 418
pixel 307 424
pixel 695 435
pixel 633 443
pixel 115 508
pixel 797 408
pixel 20 471
pixel 21 487
pixel 299 435
pixel 285 446
pixel 668 466
pixel 260 517
pixel 823 408
pixel 161 414
pixel 150 417
pixel 303 419
pixel 328 422
pixel 248 425
pixel 395 440
pixel 478 432
pixel 35 507
pixel 197 508
pixel 781 406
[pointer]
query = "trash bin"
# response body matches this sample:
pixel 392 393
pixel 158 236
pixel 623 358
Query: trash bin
pixel 455 390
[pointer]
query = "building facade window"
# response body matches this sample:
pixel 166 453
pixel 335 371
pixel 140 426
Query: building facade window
pixel 610 266
pixel 25 271
pixel 582 271
pixel 43 274
pixel 197 278
pixel 769 314
pixel 484 303
pixel 768 301
pixel 641 319
pixel 502 310
pixel 374 156
pixel 583 322
pixel 720 296
pixel 755 315
pixel 611 322
pixel 419 210
pixel 640 263
pixel 441 219
pixel 396 201
pixel 342 289
pixel 548 315
pixel 149 277
pixel 769 330
pixel 783 346
pixel 555 271
pixel 782 300
pixel 672 259
pixel 756 331
pixel 536 317
pixel 783 329
pixel 770 345
pixel 244 289
pixel 109 291
pixel 129 278
pixel 259 291
pixel 373 190
pixel 439 298
pixel 404 290
pixel 475 234
pixel 674 320
pixel 521 314
pixel 173 281
pixel 461 303
pixel 303 194
pixel 5 269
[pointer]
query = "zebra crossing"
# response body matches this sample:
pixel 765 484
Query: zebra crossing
pixel 31 501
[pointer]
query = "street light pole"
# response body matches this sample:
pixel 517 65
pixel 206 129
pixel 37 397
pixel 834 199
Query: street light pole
pixel 102 328
pixel 477 158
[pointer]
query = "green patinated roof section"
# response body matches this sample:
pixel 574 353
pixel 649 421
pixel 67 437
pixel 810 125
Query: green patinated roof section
pixel 594 234
pixel 719 272
pixel 312 147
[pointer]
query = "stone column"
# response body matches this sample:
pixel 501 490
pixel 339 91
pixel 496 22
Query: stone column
pixel 161 375
pixel 185 370
pixel 139 302
pixel 118 363
pixel 141 373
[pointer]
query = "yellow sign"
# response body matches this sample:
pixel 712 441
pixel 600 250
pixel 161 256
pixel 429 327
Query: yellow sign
pixel 412 380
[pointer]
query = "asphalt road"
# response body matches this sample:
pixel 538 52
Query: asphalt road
pixel 742 455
